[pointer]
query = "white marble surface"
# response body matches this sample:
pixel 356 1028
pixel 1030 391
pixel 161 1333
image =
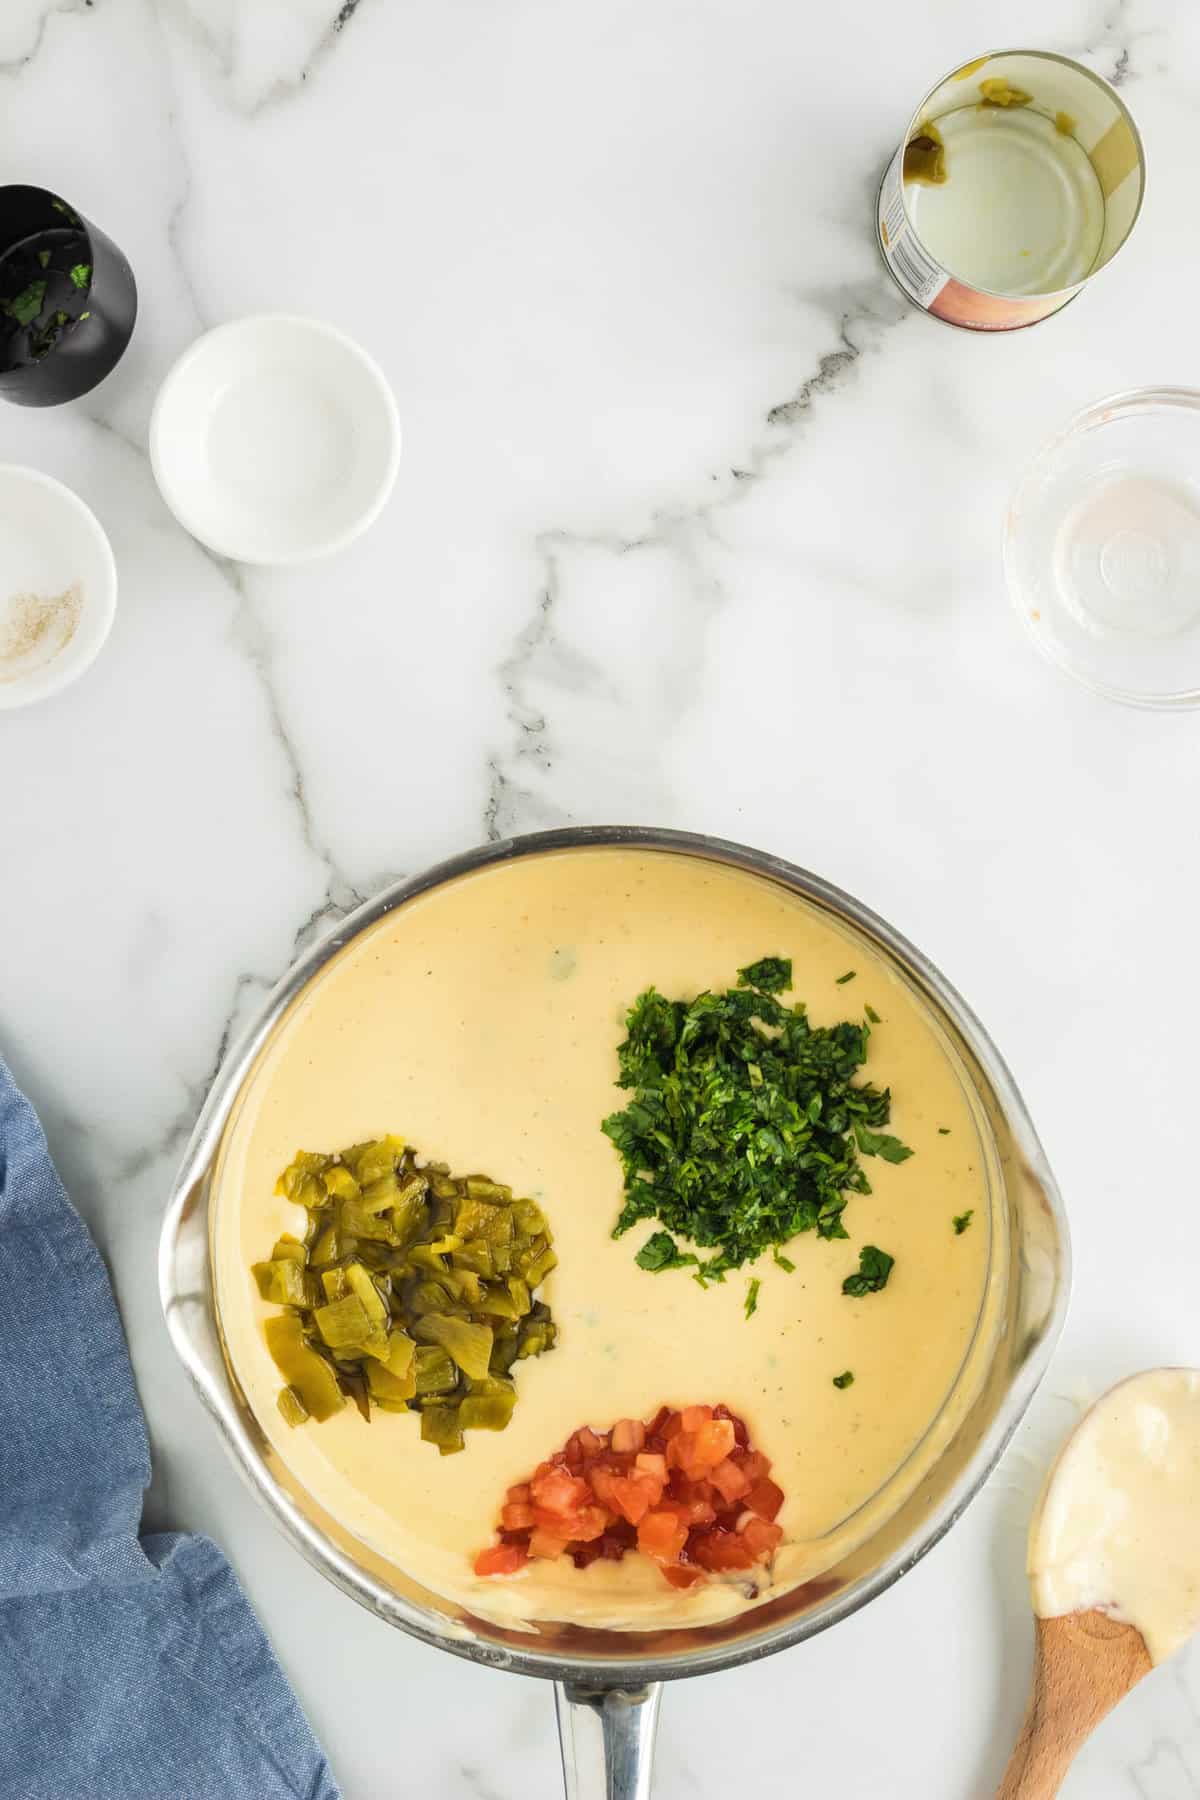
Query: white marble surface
pixel 697 525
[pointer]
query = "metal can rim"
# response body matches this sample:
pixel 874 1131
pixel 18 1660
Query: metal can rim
pixel 918 115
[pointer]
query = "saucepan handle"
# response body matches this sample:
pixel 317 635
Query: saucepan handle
pixel 607 1738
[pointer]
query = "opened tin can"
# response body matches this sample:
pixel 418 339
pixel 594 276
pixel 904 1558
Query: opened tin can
pixel 1020 176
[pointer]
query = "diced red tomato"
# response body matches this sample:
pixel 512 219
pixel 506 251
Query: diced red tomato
pixel 601 1479
pixel 761 1536
pixel 753 1464
pixel 672 1487
pixel 628 1434
pixel 606 1485
pixel 559 1491
pixel 632 1496
pixel 682 1575
pixel 765 1498
pixel 712 1443
pixel 695 1500
pixel 697 1452
pixel 719 1550
pixel 587 1523
pixel 500 1559
pixel 662 1535
pixel 739 1425
pixel 578 1526
pixel 729 1480
pixel 545 1544
pixel 655 1425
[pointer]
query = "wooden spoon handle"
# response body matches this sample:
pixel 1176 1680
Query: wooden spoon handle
pixel 1083 1664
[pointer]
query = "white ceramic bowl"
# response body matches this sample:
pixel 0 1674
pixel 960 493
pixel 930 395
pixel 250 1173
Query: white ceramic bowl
pixel 58 586
pixel 275 439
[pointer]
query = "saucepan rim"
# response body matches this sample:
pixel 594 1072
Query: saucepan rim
pixel 601 1671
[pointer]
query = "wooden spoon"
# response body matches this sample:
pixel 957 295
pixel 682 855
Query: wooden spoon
pixel 1119 1520
pixel 1084 1663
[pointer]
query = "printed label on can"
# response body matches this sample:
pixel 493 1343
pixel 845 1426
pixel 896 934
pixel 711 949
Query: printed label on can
pixel 933 288
pixel 914 269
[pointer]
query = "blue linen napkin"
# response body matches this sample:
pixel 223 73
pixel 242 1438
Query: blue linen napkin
pixel 130 1668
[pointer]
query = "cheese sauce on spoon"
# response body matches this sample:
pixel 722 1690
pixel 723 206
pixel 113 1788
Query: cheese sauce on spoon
pixel 1118 1524
pixel 481 1021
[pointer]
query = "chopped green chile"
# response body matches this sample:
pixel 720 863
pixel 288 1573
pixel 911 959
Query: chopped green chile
pixel 310 1374
pixel 344 1323
pixel 490 1410
pixel 401 1354
pixel 480 1188
pixel 282 1281
pixel 435 1371
pixel 328 1246
pixel 368 1295
pixel 440 1425
pixel 292 1406
pixel 392 1392
pixel 470 1346
pixel 412 1290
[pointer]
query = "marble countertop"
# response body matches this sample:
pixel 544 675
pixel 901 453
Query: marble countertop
pixel 697 524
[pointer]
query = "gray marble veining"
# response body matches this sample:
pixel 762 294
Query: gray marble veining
pixel 696 525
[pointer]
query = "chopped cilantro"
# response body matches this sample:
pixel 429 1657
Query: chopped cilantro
pixel 83 316
pixel 43 259
pixel 662 1252
pixel 752 1297
pixel 739 1130
pixel 26 305
pixel 783 1262
pixel 845 1379
pixel 81 274
pixel 770 974
pixel 871 1013
pixel 848 976
pixel 962 1220
pixel 879 1143
pixel 874 1267
pixel 943 1131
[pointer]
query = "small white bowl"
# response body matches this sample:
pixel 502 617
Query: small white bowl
pixel 58 586
pixel 275 439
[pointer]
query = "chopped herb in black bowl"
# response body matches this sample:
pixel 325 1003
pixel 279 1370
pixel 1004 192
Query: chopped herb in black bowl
pixel 67 300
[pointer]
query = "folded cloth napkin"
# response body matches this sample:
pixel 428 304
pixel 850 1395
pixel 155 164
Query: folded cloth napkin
pixel 130 1668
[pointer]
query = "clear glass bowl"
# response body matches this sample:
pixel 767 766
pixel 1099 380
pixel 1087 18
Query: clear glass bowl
pixel 1102 548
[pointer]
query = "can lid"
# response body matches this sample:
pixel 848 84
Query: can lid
pixel 1102 548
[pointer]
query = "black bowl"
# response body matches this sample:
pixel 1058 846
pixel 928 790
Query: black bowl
pixel 67 300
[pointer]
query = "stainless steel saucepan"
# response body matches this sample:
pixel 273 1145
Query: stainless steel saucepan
pixel 608 1684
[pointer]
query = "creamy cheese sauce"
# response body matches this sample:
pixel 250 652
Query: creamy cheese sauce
pixel 1118 1525
pixel 481 1021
